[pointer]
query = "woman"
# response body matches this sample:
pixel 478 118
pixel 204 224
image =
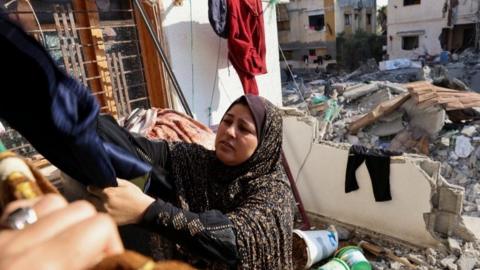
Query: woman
pixel 231 207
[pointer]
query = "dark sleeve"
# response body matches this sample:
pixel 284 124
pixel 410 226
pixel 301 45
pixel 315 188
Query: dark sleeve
pixel 156 153
pixel 208 234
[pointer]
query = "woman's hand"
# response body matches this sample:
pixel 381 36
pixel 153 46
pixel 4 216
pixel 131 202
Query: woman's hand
pixel 125 203
pixel 65 236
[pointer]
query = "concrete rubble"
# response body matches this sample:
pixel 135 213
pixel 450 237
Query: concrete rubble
pixel 438 118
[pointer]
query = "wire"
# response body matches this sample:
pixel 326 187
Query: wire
pixel 44 41
pixel 297 87
pixel 312 142
pixel 193 58
pixel 6 5
pixel 288 66
pixel 214 83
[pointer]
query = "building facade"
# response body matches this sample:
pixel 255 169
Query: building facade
pixel 418 28
pixel 307 29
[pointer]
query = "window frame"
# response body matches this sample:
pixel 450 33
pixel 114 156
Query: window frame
pixel 411 2
pixel 347 19
pixel 413 48
pixel 312 27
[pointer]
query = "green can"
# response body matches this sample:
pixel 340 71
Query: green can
pixel 334 264
pixel 354 257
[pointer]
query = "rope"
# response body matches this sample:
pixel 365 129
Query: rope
pixel 191 54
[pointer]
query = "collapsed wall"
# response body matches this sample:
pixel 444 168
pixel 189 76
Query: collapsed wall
pixel 425 209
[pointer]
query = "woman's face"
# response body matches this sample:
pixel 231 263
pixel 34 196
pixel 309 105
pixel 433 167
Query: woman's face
pixel 236 136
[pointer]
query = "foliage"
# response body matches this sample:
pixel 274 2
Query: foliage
pixel 382 19
pixel 353 50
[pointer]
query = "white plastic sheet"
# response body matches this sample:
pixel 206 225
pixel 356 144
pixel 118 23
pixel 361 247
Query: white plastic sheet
pixel 463 147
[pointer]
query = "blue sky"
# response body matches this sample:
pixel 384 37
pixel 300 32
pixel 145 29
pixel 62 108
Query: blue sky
pixel 382 3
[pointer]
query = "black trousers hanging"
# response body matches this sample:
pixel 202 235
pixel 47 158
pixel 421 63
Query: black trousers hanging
pixel 378 166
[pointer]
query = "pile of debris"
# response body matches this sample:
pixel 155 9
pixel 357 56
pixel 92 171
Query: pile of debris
pixel 427 110
pixel 415 118
pixel 432 111
pixel 457 255
pixel 386 253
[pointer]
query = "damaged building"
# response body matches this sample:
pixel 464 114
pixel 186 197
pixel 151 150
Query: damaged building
pixel 422 28
pixel 432 218
pixel 307 30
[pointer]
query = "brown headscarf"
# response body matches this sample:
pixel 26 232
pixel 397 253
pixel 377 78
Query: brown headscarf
pixel 254 195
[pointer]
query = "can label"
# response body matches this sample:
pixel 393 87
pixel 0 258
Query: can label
pixel 353 257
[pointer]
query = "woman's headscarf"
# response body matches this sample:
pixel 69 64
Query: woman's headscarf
pixel 254 195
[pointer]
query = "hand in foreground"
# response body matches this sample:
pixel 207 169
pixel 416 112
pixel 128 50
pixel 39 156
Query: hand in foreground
pixel 125 203
pixel 65 236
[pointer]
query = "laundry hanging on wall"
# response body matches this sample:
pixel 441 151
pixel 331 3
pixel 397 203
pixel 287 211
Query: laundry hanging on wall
pixel 378 166
pixel 246 41
pixel 218 17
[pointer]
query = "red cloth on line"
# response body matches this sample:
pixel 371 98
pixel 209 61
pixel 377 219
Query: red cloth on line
pixel 246 42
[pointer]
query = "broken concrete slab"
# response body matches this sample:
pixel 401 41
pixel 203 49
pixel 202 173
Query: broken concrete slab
pixel 392 116
pixel 469 228
pixel 454 246
pixel 411 140
pixel 291 111
pixel 449 262
pixel 467 261
pixel 450 199
pixel 379 111
pixel 357 91
pixel 387 128
pixel 322 187
pixel 425 207
pixel 431 119
pixel 369 102
pixel 395 88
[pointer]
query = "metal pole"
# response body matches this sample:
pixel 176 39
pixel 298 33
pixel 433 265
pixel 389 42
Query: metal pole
pixel 296 194
pixel 160 51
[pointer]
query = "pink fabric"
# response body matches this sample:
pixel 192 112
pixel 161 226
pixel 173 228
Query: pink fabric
pixel 171 125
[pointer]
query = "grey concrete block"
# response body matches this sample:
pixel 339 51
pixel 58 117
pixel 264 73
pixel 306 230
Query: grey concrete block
pixel 450 199
pixel 445 223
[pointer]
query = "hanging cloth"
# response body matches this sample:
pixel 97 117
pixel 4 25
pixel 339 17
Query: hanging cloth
pixel 246 41
pixel 378 166
pixel 218 17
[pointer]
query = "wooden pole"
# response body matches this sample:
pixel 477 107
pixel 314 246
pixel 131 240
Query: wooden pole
pixel 157 85
pixel 95 53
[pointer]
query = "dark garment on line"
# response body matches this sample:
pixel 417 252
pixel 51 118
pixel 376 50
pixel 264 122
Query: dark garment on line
pixel 206 234
pixel 154 153
pixel 378 165
pixel 56 114
pixel 218 17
